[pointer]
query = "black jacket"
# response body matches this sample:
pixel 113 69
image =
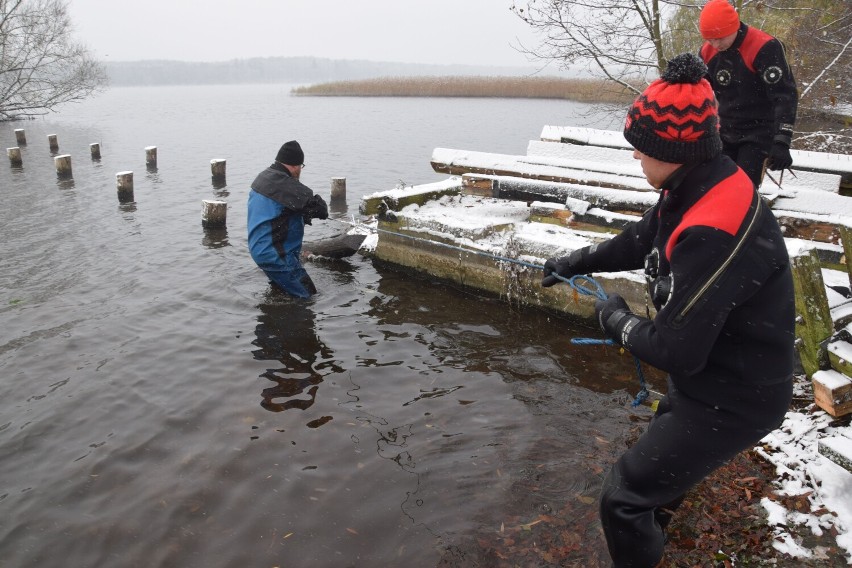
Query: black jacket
pixel 755 88
pixel 719 275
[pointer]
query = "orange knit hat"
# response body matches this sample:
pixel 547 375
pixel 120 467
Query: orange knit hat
pixel 718 19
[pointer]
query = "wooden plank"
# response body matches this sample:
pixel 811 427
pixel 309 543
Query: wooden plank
pixel 820 162
pixel 840 355
pixel 838 449
pixel 795 227
pixel 832 392
pixel 813 318
pixel 508 187
pixel 807 227
pixel 396 199
pixel 459 162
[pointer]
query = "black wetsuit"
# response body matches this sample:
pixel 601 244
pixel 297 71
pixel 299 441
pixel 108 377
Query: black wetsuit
pixel 757 97
pixel 719 276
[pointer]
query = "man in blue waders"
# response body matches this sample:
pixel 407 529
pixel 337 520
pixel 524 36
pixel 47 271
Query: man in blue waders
pixel 279 206
pixel 719 276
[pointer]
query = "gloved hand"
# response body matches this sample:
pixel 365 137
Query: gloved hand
pixel 779 157
pixel 315 208
pixel 566 267
pixel 613 314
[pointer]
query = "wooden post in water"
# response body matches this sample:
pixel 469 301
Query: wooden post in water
pixel 213 213
pixel 95 149
pixel 63 165
pixel 151 156
pixel 15 156
pixel 21 137
pixel 53 142
pixel 338 189
pixel 813 317
pixel 124 185
pixel 217 169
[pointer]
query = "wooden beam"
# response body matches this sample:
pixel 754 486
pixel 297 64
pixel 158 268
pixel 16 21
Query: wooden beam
pixel 838 449
pixel 833 392
pixel 813 318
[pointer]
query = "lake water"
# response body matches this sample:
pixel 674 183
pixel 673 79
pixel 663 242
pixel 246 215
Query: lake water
pixel 160 406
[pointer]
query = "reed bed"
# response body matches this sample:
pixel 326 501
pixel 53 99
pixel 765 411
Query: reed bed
pixel 583 90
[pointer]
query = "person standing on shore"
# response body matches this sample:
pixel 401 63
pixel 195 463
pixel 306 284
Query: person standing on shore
pixel 719 276
pixel 279 206
pixel 755 88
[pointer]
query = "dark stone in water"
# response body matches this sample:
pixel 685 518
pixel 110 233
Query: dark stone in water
pixel 340 246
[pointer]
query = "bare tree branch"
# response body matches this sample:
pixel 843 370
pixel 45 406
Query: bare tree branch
pixel 41 67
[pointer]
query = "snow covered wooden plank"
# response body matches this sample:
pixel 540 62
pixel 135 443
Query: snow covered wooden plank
pixel 821 162
pixel 585 136
pixel 458 162
pixel 809 226
pixel 579 214
pixel 795 210
pixel 832 392
pixel 464 239
pixel 399 197
pixel 621 161
pixel 591 158
pixel 838 449
pixel 840 355
pixel 509 187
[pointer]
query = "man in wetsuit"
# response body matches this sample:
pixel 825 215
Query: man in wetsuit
pixel 719 277
pixel 755 89
pixel 279 206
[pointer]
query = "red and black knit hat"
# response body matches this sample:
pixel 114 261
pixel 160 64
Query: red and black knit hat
pixel 675 119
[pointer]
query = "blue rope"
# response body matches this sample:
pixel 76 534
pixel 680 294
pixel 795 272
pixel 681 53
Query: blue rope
pixel 593 288
pixel 583 283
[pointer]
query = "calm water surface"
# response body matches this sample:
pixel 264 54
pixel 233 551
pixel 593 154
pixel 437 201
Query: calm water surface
pixel 160 406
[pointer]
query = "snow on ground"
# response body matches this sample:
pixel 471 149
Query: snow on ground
pixel 803 471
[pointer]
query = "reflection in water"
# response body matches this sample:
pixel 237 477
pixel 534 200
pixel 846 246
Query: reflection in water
pixel 286 333
pixel 215 238
pixel 64 182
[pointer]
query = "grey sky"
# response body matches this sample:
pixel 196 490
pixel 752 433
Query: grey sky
pixel 475 32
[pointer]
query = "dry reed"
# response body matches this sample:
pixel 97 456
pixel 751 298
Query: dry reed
pixel 584 90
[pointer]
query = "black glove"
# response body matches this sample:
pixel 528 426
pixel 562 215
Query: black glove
pixel 614 315
pixel 566 267
pixel 779 157
pixel 315 208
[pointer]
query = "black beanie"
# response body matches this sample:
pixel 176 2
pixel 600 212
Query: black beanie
pixel 675 119
pixel 291 154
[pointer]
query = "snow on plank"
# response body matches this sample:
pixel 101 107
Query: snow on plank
pixel 822 162
pixel 457 162
pixel 509 187
pixel 837 448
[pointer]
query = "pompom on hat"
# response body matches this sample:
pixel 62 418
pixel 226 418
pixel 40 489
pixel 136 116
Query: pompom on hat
pixel 291 154
pixel 718 19
pixel 675 119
